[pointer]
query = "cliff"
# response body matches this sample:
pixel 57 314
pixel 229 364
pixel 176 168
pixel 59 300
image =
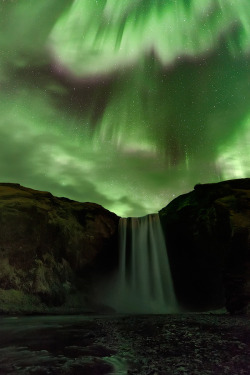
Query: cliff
pixel 52 250
pixel 55 251
pixel 208 239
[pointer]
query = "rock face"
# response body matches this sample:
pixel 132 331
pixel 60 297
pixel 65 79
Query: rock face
pixel 54 251
pixel 208 240
pixel 51 249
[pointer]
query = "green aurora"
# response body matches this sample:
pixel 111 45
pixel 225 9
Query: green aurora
pixel 126 103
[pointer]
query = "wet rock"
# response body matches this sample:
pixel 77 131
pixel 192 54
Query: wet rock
pixel 183 344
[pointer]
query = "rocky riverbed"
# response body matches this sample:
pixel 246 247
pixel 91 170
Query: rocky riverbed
pixel 182 344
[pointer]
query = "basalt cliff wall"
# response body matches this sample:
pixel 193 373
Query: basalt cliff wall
pixel 54 252
pixel 208 239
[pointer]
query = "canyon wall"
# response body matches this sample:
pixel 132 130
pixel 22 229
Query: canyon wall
pixel 208 239
pixel 52 250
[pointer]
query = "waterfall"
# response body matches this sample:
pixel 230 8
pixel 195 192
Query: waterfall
pixel 144 283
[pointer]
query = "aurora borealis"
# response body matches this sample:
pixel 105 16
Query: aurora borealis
pixel 125 103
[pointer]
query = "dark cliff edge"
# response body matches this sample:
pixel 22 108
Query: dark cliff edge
pixel 208 239
pixel 52 251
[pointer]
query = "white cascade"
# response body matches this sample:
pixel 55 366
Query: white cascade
pixel 144 282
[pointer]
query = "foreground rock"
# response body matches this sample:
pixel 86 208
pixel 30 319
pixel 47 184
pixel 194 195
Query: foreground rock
pixel 135 345
pixel 208 240
pixel 52 251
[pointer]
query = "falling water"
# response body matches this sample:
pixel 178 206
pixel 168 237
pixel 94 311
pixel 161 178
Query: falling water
pixel 144 283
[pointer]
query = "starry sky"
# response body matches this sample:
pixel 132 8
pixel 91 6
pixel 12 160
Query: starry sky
pixel 125 103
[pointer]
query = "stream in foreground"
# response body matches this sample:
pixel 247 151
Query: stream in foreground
pixel 185 344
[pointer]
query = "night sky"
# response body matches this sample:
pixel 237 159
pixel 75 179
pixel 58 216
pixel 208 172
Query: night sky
pixel 125 103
